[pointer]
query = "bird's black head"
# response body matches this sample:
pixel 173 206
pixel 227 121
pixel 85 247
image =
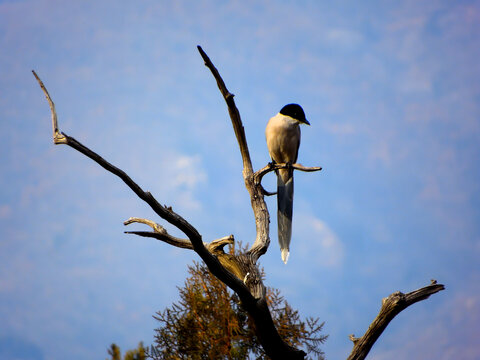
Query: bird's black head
pixel 294 111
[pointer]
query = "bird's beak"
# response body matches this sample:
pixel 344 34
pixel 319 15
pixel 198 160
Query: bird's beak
pixel 306 122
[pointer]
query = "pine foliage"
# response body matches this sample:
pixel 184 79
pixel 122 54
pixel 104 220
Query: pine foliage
pixel 208 322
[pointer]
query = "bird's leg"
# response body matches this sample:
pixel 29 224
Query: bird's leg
pixel 289 166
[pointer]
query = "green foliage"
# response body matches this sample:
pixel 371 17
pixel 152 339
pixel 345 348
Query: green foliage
pixel 208 322
pixel 135 354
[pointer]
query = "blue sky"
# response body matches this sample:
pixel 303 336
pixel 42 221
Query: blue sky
pixel 392 90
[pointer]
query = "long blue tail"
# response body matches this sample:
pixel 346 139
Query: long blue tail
pixel 285 210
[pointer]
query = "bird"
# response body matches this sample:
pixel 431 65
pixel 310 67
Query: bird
pixel 283 140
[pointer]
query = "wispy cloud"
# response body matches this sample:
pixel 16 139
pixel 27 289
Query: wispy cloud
pixel 187 173
pixel 320 244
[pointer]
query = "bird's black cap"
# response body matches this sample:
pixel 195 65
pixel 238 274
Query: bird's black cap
pixel 294 111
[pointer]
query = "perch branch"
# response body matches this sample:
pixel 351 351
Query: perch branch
pixel 276 166
pixel 391 307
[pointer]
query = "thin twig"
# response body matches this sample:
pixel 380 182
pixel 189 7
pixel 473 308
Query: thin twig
pixel 57 137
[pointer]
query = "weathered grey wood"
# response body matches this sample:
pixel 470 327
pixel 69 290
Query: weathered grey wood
pixel 159 233
pixel 57 137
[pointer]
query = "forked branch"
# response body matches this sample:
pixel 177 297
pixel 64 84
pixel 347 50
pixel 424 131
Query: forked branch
pixel 160 233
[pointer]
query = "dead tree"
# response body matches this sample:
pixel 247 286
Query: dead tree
pixel 240 273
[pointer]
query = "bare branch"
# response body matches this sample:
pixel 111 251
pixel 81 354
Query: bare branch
pixel 391 307
pixel 57 137
pixel 234 115
pixel 218 244
pixel 160 233
pixel 155 227
pixel 274 166
pixel 262 217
